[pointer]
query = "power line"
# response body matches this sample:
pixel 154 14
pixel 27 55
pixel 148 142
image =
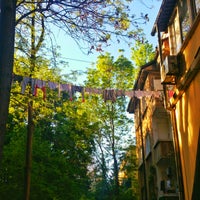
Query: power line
pixel 78 60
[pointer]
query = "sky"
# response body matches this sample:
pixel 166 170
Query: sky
pixel 77 60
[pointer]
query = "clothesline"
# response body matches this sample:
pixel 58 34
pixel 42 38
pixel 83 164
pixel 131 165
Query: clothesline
pixel 107 94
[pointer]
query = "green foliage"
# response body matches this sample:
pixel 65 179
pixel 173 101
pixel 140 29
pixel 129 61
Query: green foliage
pixel 73 143
pixel 111 74
pixel 142 53
pixel 124 71
pixel 12 166
pixel 112 137
pixel 129 185
pixel 152 182
pixel 94 22
pixel 62 143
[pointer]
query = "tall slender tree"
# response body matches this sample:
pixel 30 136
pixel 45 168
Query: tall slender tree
pixel 113 123
pixel 92 21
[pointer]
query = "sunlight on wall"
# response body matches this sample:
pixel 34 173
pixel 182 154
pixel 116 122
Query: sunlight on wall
pixel 178 117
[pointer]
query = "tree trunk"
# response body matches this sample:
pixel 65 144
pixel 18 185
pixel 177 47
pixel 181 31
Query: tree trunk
pixel 30 130
pixel 116 170
pixel 7 35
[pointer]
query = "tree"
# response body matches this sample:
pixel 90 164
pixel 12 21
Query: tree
pixel 65 136
pixel 63 140
pixel 129 178
pixel 7 33
pixel 113 124
pixel 91 21
pixel 142 52
pixel 94 22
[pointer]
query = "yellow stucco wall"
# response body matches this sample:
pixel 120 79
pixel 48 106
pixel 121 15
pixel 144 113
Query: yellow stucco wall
pixel 192 47
pixel 188 125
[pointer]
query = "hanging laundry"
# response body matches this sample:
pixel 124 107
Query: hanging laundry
pixel 157 94
pixel 26 81
pixel 120 93
pixel 170 94
pixel 52 85
pixel 66 88
pixel 37 83
pixel 70 90
pixel 109 95
pixel 93 90
pixel 129 93
pixel 139 94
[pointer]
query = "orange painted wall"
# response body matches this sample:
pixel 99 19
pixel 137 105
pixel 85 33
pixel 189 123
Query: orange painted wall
pixel 188 125
pixel 192 47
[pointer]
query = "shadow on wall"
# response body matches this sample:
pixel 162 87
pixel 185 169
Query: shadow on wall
pixel 196 191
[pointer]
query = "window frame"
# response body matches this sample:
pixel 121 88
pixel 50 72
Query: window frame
pixel 175 28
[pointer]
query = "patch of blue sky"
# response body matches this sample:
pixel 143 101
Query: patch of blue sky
pixel 79 61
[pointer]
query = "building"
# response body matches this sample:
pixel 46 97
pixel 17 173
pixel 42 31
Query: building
pixel 155 152
pixel 178 30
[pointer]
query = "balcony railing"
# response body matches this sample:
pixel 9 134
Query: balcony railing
pixel 169 197
pixel 163 151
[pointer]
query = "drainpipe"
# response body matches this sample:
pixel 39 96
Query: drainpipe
pixel 159 44
pixel 143 154
pixel 177 155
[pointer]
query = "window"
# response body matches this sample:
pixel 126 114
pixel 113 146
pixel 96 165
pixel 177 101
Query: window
pixel 174 35
pixel 140 158
pixel 197 5
pixel 181 22
pixel 184 19
pixel 148 144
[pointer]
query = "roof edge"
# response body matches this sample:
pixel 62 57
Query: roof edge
pixel 164 13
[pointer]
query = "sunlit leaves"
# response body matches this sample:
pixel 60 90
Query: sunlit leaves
pixel 113 124
pixel 82 20
pixel 142 52
pixel 62 142
pixel 117 74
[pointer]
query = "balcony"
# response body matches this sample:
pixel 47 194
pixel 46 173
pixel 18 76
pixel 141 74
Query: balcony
pixel 168 191
pixel 169 70
pixel 163 151
pixel 169 197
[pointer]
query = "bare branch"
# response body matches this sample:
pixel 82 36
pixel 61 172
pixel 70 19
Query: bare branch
pixel 92 21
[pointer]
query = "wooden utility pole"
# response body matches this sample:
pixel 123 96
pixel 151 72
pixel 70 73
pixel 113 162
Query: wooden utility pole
pixel 30 130
pixel 35 46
